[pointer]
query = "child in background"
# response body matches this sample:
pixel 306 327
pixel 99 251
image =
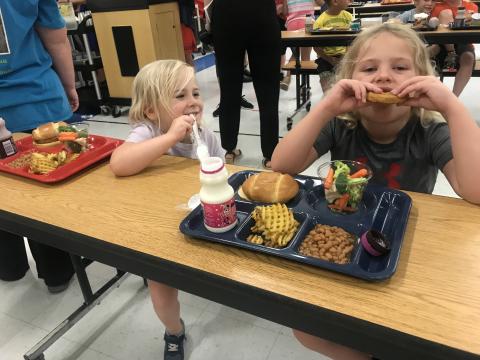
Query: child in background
pixel 456 56
pixel 404 144
pixel 408 17
pixel 328 57
pixel 165 101
pixel 296 11
pixel 421 6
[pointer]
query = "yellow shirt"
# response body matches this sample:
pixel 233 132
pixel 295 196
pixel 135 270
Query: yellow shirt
pixel 342 20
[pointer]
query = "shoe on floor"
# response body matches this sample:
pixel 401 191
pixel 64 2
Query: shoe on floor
pixel 58 288
pixel 246 78
pixel 174 345
pixel 245 103
pixel 285 83
pixel 216 112
pixel 231 156
pixel 267 164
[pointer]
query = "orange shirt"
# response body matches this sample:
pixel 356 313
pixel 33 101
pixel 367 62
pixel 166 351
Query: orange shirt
pixel 469 6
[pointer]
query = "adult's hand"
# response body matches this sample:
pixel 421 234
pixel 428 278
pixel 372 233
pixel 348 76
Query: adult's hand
pixel 73 98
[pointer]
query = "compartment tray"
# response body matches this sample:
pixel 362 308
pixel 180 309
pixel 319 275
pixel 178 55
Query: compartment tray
pixel 382 209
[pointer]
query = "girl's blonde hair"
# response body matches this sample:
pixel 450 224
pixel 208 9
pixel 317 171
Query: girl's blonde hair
pixel 421 61
pixel 155 85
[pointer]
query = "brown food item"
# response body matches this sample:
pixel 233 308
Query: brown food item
pixel 329 243
pixel 384 98
pixel 270 187
pixel 47 134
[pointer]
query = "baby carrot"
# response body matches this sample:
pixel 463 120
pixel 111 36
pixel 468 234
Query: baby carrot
pixel 360 173
pixel 329 179
pixel 342 201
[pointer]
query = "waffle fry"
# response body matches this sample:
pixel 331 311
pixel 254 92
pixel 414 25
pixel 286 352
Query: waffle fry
pixel 255 239
pixel 42 163
pixel 274 224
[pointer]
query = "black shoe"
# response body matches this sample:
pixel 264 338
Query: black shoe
pixel 174 346
pixel 59 288
pixel 247 76
pixel 216 112
pixel 245 103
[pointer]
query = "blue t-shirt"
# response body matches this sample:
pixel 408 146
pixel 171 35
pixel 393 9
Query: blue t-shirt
pixel 31 93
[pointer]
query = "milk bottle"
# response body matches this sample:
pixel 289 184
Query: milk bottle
pixel 217 196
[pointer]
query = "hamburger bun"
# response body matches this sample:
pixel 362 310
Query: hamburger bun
pixel 47 134
pixel 384 98
pixel 269 187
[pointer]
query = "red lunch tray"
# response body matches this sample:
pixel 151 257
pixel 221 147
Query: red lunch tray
pixel 100 147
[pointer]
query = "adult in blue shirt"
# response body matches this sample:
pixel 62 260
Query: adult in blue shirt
pixel 37 85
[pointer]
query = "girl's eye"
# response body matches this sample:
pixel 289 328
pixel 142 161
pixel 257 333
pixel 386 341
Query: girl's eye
pixel 180 96
pixel 401 67
pixel 368 69
pixel 196 94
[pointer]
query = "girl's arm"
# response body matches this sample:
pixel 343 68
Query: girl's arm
pixel 131 158
pixel 295 152
pixel 463 171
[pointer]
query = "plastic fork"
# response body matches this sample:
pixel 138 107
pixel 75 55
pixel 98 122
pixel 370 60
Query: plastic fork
pixel 202 149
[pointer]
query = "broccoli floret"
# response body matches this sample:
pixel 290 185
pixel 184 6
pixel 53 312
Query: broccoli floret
pixel 355 191
pixel 341 168
pixel 341 183
pixel 82 134
pixel 66 128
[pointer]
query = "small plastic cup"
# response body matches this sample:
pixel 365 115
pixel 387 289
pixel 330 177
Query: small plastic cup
pixel 82 131
pixel 344 192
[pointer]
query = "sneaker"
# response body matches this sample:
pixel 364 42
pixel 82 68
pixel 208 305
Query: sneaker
pixel 450 61
pixel 216 112
pixel 285 83
pixel 174 345
pixel 245 103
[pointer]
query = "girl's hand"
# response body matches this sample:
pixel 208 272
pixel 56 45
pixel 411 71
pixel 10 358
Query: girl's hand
pixel 180 127
pixel 348 95
pixel 426 92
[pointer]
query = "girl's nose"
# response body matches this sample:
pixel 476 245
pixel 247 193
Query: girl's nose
pixel 383 74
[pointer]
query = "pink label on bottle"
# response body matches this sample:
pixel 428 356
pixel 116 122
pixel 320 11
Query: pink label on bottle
pixel 219 215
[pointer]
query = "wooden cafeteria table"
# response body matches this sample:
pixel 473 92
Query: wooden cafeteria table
pixel 300 38
pixel 429 309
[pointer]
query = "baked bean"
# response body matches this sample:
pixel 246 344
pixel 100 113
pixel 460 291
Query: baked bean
pixel 329 243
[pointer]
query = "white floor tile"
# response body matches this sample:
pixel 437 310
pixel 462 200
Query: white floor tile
pixel 288 348
pixel 216 337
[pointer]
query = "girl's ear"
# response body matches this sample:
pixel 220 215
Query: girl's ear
pixel 150 114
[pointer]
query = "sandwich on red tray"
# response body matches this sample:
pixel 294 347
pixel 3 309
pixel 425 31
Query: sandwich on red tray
pixel 46 135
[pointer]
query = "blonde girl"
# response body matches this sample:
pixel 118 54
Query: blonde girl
pixel 404 144
pixel 165 102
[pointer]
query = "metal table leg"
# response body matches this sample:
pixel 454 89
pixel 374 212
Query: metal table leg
pixel 90 300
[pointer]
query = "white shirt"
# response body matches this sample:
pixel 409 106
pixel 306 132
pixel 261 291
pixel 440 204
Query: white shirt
pixel 145 131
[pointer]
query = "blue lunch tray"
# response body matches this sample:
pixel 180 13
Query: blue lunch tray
pixel 383 209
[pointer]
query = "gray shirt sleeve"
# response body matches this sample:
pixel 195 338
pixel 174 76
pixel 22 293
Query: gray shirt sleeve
pixel 440 144
pixel 326 139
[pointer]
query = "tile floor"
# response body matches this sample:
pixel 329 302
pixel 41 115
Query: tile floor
pixel 124 326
